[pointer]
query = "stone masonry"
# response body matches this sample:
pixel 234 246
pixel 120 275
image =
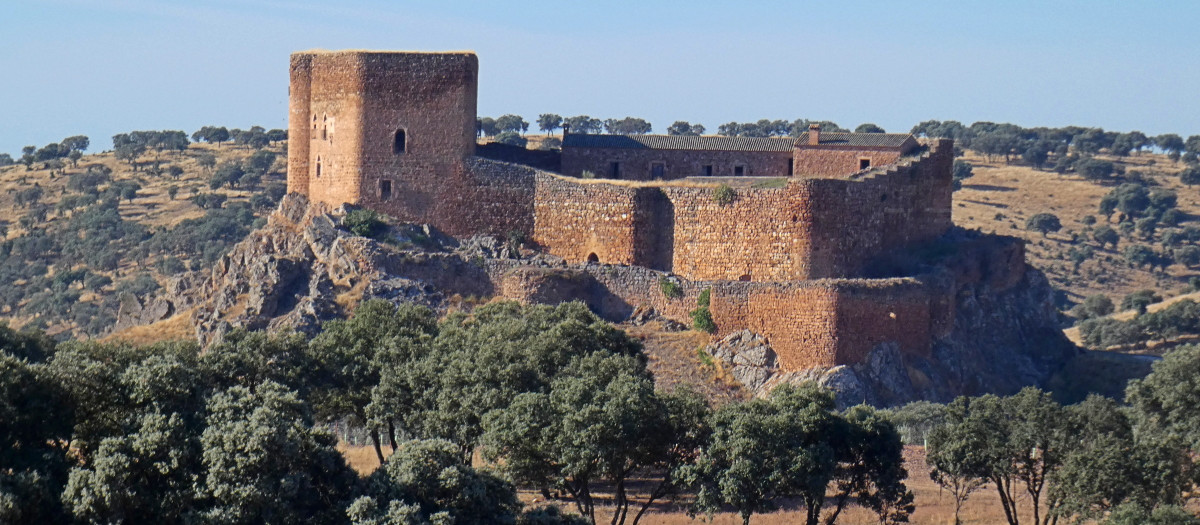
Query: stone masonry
pixel 395 132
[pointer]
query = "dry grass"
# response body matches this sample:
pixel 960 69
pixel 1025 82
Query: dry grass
pixel 152 207
pixel 674 359
pixel 176 327
pixel 1001 197
pixel 934 506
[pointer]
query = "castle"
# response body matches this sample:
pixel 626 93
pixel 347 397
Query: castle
pixel 782 231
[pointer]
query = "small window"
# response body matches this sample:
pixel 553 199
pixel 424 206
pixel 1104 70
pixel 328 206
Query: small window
pixel 744 278
pixel 739 171
pixel 400 144
pixel 791 166
pixel 592 258
pixel 614 170
pixel 708 170
pixel 657 170
pixel 385 190
pixel 864 164
pixel 324 133
pixel 318 166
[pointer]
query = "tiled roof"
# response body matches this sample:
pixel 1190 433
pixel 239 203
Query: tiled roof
pixel 682 142
pixel 875 140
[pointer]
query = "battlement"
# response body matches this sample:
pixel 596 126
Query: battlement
pixel 395 132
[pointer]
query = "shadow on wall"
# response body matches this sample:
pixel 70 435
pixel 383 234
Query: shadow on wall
pixel 655 229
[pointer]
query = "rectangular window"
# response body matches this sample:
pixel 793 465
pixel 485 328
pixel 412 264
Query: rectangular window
pixel 864 164
pixel 791 167
pixel 657 170
pixel 739 171
pixel 385 190
pixel 708 170
pixel 614 170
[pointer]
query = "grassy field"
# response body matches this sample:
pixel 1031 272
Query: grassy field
pixel 1001 197
pixel 934 506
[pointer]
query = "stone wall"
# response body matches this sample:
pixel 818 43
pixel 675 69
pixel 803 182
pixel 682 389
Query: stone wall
pixel 818 323
pixel 383 130
pixel 829 162
pixel 813 228
pixel 635 163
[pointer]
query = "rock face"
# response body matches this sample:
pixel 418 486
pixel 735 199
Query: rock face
pixel 301 269
pixel 1004 338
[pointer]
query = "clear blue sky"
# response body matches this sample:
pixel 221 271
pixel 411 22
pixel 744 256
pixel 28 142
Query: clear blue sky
pixel 99 67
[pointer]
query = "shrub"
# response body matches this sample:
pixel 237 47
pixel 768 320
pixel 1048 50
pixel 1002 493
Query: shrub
pixel 511 138
pixel 1139 300
pixel 702 320
pixel 704 297
pixel 670 289
pixel 365 223
pixel 1044 223
pixel 724 195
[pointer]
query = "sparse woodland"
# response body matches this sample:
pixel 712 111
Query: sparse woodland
pixel 544 415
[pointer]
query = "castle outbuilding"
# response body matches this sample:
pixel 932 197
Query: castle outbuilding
pixel 781 230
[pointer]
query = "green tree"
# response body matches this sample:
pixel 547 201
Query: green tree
pixel 35 430
pixel 512 123
pixel 767 449
pixel 627 126
pixel 1105 235
pixel 1044 223
pixel 548 122
pixel 1169 143
pixel 600 421
pixel 1111 464
pixel 511 138
pixel 1139 255
pixel 264 462
pixel 1139 300
pixel 1098 305
pixel 144 476
pixel 251 358
pixel 427 481
pixel 1094 169
pixel 351 355
pixel 683 127
pixel 871 468
pixel 1133 514
pixel 868 128
pixel 1190 176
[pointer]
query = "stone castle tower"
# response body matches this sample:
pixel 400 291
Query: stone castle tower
pixel 384 130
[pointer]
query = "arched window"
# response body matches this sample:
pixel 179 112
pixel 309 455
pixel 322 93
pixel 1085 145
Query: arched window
pixel 401 142
pixel 744 277
pixel 592 257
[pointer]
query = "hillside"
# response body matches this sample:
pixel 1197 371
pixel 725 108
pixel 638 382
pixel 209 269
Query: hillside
pixel 77 236
pixel 71 288
pixel 1000 198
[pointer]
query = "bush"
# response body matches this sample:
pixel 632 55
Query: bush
pixel 704 297
pixel 511 138
pixel 1098 305
pixel 1139 300
pixel 702 320
pixel 365 223
pixel 724 195
pixel 670 289
pixel 1044 223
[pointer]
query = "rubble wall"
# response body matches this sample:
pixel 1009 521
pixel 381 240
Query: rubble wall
pixel 635 163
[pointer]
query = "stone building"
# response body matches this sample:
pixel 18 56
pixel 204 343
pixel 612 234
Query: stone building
pixel 784 251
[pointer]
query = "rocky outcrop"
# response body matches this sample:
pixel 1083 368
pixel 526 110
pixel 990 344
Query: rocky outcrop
pixel 1004 338
pixel 998 333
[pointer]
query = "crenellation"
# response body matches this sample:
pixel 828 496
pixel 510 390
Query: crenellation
pixel 395 132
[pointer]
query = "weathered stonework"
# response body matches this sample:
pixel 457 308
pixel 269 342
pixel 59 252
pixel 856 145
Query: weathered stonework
pixel 395 132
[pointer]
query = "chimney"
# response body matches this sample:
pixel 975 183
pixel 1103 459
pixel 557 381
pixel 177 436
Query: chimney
pixel 814 134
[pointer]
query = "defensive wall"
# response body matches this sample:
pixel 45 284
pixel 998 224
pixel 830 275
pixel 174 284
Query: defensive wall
pixel 668 157
pixel 395 132
pixel 812 228
pixel 835 154
pixel 822 322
